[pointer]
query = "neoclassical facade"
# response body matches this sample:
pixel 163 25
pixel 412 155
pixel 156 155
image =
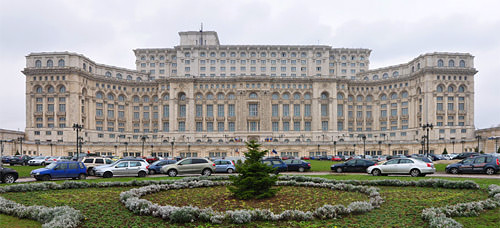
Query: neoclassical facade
pixel 201 98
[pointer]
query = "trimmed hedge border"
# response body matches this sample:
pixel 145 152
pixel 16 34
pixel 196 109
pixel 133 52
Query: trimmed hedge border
pixel 68 217
pixel 131 200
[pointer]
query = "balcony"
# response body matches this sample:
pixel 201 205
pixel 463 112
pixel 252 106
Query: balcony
pixel 382 118
pixel 198 118
pixel 286 118
pixel 61 113
pixel 209 118
pixel 297 118
pixel 220 118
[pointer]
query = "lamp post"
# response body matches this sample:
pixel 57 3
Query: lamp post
pixel 20 139
pixel 463 142
pixel 152 150
pixel 354 145
pixel 189 149
pixel 426 127
pixel 78 128
pixel 318 151
pixel 172 143
pixel 478 137
pixel 116 147
pixel 389 153
pixel 335 147
pixel 453 143
pixel 363 137
pixel 50 144
pixel 143 138
pixel 379 147
pixel 126 147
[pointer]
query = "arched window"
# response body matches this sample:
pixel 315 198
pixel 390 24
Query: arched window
pixel 50 89
pixel 121 98
pixel 395 74
pixel 440 63
pixel 324 96
pixel 143 57
pixel 365 78
pixel 252 96
pixel 119 76
pixel 212 54
pixel 38 64
pixel 145 99
pixel 404 94
pixel 307 96
pixel 450 89
pixel 50 63
pixel 462 63
pixel 138 79
pixel 383 97
pixel 275 96
pixel 350 98
pixel 99 95
pixel 419 91
pixel 394 96
pixel 369 98
pixel 418 66
pixel 129 77
pixel 286 96
pixel 359 98
pixel 202 54
pixel 199 96
pixel 84 66
pixel 385 75
pixel 243 54
pixel 111 96
pixel 182 96
pixel 340 96
pixel 296 96
pixel 220 96
pixel 451 63
pixel 413 69
pixel 135 99
pixel 62 89
pixel 162 57
pixel 439 88
pixel 231 96
pixel 375 77
pixel 90 69
pixel 38 89
pixel 108 74
pixel 155 98
pixel 461 89
pixel 166 97
pixel 210 96
pixel 60 63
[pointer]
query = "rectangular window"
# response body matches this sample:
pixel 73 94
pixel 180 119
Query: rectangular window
pixel 145 115
pixel 182 126
pixel 210 126
pixel 296 110
pixel 286 126
pixel 461 106
pixel 199 111
pixel 50 107
pixel 231 110
pixel 220 110
pixel 199 126
pixel 274 110
pixel 182 111
pixel 368 114
pixel 296 126
pixel 324 125
pixel 275 126
pixel 404 111
pixel 286 110
pixel 220 126
pixel 324 110
pixel 111 114
pixel 307 110
pixel 39 107
pixel 307 126
pixel 231 126
pixel 394 112
pixel 340 126
pixel 359 114
pixel 253 110
pixel 450 106
pixel 98 112
pixel 121 114
pixel 210 111
pixel 62 108
pixel 439 106
pixel 340 110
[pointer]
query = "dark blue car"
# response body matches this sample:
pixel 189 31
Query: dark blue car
pixel 278 164
pixel 67 169
pixel 481 164
pixel 156 166
pixel 297 165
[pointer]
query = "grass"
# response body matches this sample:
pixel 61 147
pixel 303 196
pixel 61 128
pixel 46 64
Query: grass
pixel 402 208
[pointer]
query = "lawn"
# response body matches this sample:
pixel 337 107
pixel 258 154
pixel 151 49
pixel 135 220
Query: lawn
pixel 402 208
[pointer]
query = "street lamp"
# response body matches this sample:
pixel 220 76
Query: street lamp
pixel 152 150
pixel 172 143
pixel 335 147
pixel 78 128
pixel 354 149
pixel 453 143
pixel 363 137
pixel 389 153
pixel 126 147
pixel 478 137
pixel 426 127
pixel 143 138
pixel 318 151
pixel 189 149
pixel 20 139
pixel 463 142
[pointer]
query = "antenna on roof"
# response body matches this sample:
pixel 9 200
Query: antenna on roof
pixel 201 34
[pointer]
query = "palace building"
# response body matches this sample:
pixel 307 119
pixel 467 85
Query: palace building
pixel 203 98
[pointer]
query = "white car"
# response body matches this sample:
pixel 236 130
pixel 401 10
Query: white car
pixel 40 160
pixel 411 166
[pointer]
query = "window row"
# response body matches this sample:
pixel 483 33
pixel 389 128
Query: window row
pixel 50 63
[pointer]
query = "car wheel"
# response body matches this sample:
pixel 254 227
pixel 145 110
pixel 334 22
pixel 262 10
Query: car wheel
pixel 490 171
pixel 152 172
pixel 376 172
pixel 142 174
pixel 172 173
pixel 301 169
pixel 43 163
pixel 415 172
pixel 82 176
pixel 206 172
pixel 45 177
pixel 9 179
pixel 339 170
pixel 454 171
pixel 230 170
pixel 107 174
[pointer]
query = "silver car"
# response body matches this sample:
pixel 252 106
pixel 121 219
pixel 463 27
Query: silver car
pixel 124 167
pixel 190 166
pixel 40 160
pixel 411 166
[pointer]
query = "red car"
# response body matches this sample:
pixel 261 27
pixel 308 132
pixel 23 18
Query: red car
pixel 151 159
pixel 305 158
pixel 336 158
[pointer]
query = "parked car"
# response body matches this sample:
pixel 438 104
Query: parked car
pixel 123 167
pixel 425 159
pixel 297 165
pixel 276 163
pixel 325 157
pixel 64 169
pixel 92 162
pixel 336 158
pixel 54 159
pixel 378 158
pixel 224 166
pixel 8 175
pixel 40 160
pixel 481 164
pixel 201 166
pixel 6 159
pixel 411 166
pixel 466 155
pixel 156 166
pixel 354 165
pixel 19 160
pixel 151 159
pixel 305 158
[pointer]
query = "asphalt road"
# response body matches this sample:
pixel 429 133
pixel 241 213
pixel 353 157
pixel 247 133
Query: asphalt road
pixel 495 176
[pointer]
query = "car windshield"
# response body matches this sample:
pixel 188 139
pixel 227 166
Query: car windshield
pixel 51 166
pixel 156 162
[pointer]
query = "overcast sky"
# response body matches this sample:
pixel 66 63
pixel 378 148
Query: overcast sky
pixel 107 31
